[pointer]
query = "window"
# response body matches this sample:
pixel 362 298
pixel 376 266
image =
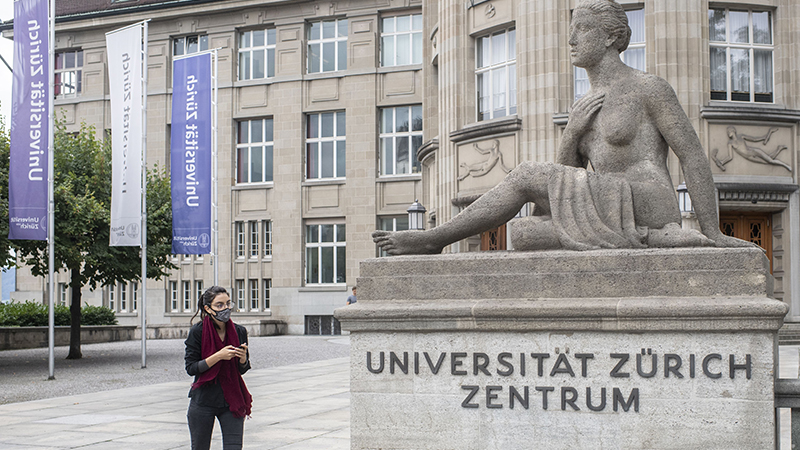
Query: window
pixel 257 54
pixel 325 145
pixel 401 40
pixel 198 289
pixel 740 55
pixel 239 230
pixel 327 46
pixel 187 296
pixel 267 283
pixel 112 297
pixel 634 56
pixel 325 254
pixel 496 74
pixel 187 45
pixel 68 81
pixel 254 151
pixel 253 295
pixel 267 225
pixel 62 294
pixel 399 223
pixel 401 137
pixel 253 225
pixel 123 296
pixel 135 297
pixel 173 296
pixel 240 295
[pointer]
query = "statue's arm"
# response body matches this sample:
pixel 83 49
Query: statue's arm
pixel 674 125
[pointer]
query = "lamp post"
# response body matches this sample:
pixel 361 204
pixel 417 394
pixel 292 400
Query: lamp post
pixel 416 216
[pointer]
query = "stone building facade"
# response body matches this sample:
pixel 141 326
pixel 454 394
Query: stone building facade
pixel 307 103
pixel 468 88
pixel 733 65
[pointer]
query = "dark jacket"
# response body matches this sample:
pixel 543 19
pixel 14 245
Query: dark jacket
pixel 210 394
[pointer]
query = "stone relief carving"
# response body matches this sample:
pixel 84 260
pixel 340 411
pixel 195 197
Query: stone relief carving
pixel 493 156
pixel 490 11
pixel 738 143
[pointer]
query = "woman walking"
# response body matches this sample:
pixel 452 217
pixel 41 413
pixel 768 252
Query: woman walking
pixel 217 356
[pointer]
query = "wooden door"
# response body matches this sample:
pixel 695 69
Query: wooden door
pixel 494 239
pixel 752 227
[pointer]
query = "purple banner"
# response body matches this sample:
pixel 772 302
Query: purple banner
pixel 30 116
pixel 190 155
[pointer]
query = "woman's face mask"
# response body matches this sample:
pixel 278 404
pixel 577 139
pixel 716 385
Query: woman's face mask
pixel 224 315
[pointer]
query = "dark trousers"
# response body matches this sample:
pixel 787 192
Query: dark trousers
pixel 201 424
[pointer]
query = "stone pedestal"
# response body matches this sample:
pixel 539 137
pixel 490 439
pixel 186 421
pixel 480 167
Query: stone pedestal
pixel 612 349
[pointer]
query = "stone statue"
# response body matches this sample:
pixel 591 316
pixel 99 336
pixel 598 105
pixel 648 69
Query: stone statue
pixel 624 126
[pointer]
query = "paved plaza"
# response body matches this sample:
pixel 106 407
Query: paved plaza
pixel 303 406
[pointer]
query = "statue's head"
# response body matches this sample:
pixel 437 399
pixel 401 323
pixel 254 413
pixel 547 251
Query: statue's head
pixel 612 18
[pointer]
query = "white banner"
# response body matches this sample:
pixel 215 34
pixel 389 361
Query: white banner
pixel 125 83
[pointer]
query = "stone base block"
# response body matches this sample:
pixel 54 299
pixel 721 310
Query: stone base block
pixel 620 349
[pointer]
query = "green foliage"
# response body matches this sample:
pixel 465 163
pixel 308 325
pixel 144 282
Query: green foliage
pixel 34 314
pixel 6 253
pixel 82 216
pixel 97 315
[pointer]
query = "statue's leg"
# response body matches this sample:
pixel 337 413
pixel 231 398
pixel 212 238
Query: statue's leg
pixel 526 183
pixel 534 233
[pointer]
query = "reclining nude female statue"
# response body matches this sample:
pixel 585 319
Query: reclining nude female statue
pixel 624 126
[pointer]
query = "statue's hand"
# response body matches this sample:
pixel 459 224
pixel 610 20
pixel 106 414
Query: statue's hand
pixel 583 112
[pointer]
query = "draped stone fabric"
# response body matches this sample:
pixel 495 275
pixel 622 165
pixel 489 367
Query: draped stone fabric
pixel 592 211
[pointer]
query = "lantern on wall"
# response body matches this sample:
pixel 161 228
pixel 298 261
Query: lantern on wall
pixel 416 216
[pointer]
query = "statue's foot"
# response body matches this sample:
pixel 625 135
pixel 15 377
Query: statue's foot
pixel 672 235
pixel 410 242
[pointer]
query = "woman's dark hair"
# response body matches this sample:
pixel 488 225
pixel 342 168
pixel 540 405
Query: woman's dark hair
pixel 205 299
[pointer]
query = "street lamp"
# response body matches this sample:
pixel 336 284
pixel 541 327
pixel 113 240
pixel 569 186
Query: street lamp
pixel 416 216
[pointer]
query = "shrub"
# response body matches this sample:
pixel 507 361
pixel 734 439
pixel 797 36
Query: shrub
pixel 34 314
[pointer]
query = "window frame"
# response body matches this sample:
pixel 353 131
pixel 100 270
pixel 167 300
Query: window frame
pixel 313 241
pixel 318 141
pixel 751 47
pixel 134 297
pixel 186 288
pixel 270 33
pixel 173 295
pixel 255 246
pixel 415 40
pixel 254 295
pixel 112 297
pixel 266 284
pixel 123 297
pixel 340 61
pixel 241 300
pixel 202 40
pixel 239 235
pixel 267 229
pixel 506 65
pixel 414 166
pixel 266 145
pixel 63 293
pixel 76 70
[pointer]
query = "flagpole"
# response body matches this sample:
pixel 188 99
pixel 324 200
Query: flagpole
pixel 143 307
pixel 51 246
pixel 214 169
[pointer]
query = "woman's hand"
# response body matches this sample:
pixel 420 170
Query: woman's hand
pixel 241 352
pixel 226 353
pixel 583 112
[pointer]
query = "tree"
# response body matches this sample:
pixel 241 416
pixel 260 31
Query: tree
pixel 82 191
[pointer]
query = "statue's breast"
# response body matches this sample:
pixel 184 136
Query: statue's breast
pixel 619 121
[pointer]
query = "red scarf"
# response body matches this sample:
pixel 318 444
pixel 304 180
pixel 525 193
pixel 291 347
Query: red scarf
pixel 225 372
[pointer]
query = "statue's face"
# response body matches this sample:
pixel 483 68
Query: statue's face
pixel 587 39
